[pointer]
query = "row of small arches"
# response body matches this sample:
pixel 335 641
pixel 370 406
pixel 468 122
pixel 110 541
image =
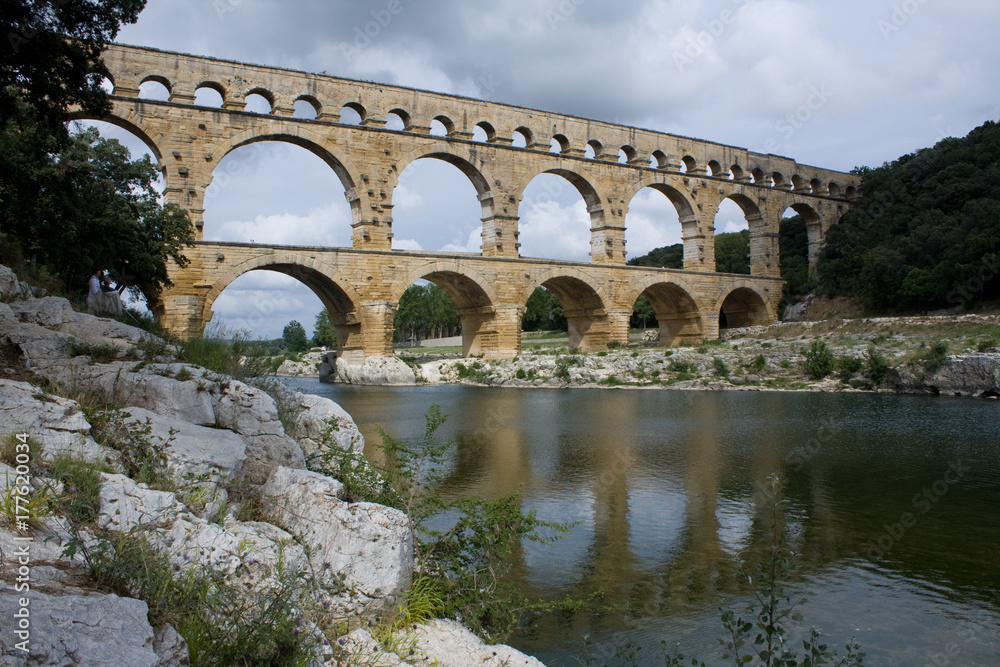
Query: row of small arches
pixel 261 101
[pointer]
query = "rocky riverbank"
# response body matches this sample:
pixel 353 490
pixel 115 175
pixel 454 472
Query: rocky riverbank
pixel 121 462
pixel 955 355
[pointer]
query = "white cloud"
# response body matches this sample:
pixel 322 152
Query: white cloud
pixel 263 302
pixel 552 230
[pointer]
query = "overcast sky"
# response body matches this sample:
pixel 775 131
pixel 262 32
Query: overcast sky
pixel 869 80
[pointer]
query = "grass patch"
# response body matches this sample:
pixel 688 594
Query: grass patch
pixel 99 353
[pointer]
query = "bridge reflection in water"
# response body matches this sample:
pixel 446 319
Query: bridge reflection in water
pixel 668 486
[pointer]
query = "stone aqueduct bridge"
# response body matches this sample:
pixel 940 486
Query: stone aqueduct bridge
pixel 361 286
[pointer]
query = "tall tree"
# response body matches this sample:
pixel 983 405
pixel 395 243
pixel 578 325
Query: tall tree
pixel 50 58
pixel 295 337
pixel 96 208
pixel 324 335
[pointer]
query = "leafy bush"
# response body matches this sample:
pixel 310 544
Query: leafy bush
pixel 614 344
pixel 758 364
pixel 848 367
pixel 677 366
pixel 142 455
pixel 99 353
pixel 936 357
pixel 228 352
pixel 876 364
pixel 520 374
pixel 721 369
pixel 819 360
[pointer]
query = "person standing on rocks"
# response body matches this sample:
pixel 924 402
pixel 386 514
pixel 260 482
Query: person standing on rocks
pixel 93 287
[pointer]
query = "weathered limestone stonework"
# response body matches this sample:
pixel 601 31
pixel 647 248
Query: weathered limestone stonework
pixel 361 285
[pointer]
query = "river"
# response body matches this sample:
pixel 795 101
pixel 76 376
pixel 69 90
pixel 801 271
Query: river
pixel 892 504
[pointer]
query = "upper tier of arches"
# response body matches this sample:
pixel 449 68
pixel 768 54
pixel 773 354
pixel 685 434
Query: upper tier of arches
pixel 327 99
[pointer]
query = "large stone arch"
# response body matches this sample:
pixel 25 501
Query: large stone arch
pixel 686 215
pixel 298 135
pixel 677 312
pixel 591 198
pixel 131 122
pixel 814 229
pixel 585 304
pixel 342 301
pixel 743 305
pixel 474 297
pixel 452 154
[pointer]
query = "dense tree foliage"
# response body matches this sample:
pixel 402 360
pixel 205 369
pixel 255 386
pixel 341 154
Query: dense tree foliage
pixel 294 335
pixel 73 204
pixel 732 252
pixel 543 312
pixel 324 335
pixel 425 311
pixel 793 244
pixel 42 73
pixel 925 232
pixel 643 315
pixel 667 257
pixel 91 207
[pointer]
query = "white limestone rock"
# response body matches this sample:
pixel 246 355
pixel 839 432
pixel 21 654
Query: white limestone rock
pixel 56 423
pixel 170 647
pixel 126 505
pixel 253 414
pixel 11 288
pixel 446 643
pixel 364 545
pixel 375 371
pixel 49 312
pixel 93 629
pixel 46 546
pixel 319 414
pixel 193 452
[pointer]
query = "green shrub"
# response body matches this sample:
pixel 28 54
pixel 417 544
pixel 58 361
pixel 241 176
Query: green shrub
pixel 228 352
pixel 936 357
pixel 520 374
pixel 819 360
pixel 758 364
pixel 721 369
pixel 142 455
pixel 987 344
pixel 876 364
pixel 614 344
pixel 676 366
pixel 848 367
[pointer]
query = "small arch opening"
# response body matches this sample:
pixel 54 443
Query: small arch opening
pixel 714 169
pixel 833 189
pixel 816 186
pixel 154 88
pixel 521 137
pixel 593 149
pixel 209 95
pixel 397 120
pixel 306 108
pixel 778 180
pixel 559 144
pixel 484 130
pixel 626 154
pixel 352 113
pixel 258 103
pixel 658 160
pixel 758 176
pixel 442 126
pixel 736 173
pixel 688 164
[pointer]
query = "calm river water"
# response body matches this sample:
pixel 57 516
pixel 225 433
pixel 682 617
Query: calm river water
pixel 892 502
